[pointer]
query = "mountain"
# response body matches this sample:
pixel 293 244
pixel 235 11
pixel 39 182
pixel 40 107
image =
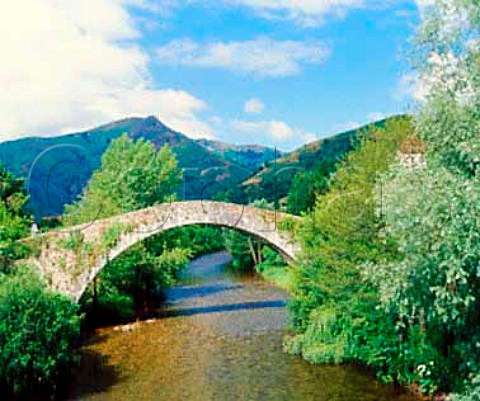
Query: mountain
pixel 58 168
pixel 274 180
pixel 252 157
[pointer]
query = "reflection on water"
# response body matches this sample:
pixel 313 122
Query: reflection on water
pixel 218 338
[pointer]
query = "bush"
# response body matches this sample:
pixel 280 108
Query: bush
pixel 471 394
pixel 37 331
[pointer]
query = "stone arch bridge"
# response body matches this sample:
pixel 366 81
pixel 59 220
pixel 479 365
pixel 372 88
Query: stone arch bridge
pixel 70 258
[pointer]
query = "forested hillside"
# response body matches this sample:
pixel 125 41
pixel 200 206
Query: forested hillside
pixel 273 182
pixel 57 169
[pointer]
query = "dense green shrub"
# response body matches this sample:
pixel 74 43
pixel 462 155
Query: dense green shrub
pixel 471 393
pixel 332 304
pixel 275 269
pixel 392 279
pixel 245 250
pixel 38 329
pixel 14 222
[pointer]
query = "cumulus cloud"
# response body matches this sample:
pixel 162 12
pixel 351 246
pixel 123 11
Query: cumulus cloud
pixel 276 130
pixel 69 65
pixel 254 106
pixel 305 12
pixel 262 56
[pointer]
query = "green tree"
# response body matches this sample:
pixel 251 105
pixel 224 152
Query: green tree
pixel 133 175
pixel 201 240
pixel 432 213
pixel 245 250
pixel 305 188
pixel 14 221
pixel 129 283
pixel 331 302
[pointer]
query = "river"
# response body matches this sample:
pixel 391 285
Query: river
pixel 218 338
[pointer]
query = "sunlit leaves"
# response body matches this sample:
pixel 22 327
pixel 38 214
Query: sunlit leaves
pixel 433 216
pixel 37 332
pixel 133 176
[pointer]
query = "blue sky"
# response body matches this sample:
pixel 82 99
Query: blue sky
pixel 274 72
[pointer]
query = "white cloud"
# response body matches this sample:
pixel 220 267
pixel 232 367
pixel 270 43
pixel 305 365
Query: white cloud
pixel 70 65
pixel 254 106
pixel 305 12
pixel 308 137
pixel 276 130
pixel 175 108
pixel 262 56
pixel 375 116
pixel 217 120
pixel 348 126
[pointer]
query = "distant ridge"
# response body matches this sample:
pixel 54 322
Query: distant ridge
pixel 274 180
pixel 249 156
pixel 68 161
pixel 212 169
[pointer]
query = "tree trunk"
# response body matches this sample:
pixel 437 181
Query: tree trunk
pixel 260 252
pixel 252 252
pixel 95 295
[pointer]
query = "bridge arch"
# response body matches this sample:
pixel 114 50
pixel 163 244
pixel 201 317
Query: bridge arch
pixel 69 259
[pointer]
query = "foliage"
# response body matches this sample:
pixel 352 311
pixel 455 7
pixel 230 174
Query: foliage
pixel 244 249
pixel 74 241
pixel 436 227
pixel 38 329
pixel 448 65
pixel 274 181
pixel 129 283
pixel 432 288
pixel 306 185
pixel 341 230
pixel 133 176
pixel 332 302
pixel 111 237
pixel 200 240
pixel 14 222
pixel 390 264
pixel 428 294
pixel 472 393
pixel 274 268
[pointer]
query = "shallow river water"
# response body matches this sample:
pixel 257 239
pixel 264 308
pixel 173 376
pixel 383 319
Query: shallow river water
pixel 218 338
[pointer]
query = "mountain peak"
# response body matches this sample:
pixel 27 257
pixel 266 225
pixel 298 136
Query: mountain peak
pixel 152 121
